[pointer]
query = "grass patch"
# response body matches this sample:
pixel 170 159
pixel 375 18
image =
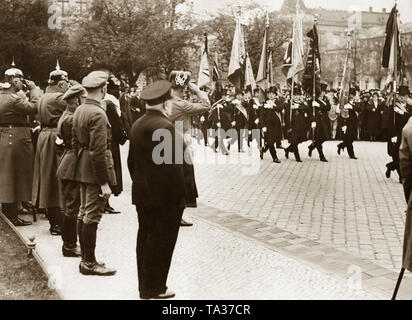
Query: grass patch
pixel 21 277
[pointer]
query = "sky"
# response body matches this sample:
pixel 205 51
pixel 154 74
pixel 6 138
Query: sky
pixel 405 6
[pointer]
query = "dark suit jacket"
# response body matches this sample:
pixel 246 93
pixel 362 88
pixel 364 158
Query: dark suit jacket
pixel 155 185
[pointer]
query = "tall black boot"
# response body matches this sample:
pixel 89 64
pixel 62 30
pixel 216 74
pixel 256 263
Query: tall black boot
pixel 80 236
pixel 321 155
pixel 89 265
pixel 311 148
pixel 297 155
pixel 69 236
pixel 273 153
pixel 54 217
pixel 351 152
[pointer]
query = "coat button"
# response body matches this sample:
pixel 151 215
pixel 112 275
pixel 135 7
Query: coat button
pixel 10 143
pixel 11 136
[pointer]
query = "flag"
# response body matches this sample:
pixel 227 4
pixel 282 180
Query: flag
pixel 261 79
pixel 287 59
pixel 297 45
pixel 216 71
pixel 391 50
pixel 237 57
pixel 249 77
pixel 313 63
pixel 204 75
pixel 270 75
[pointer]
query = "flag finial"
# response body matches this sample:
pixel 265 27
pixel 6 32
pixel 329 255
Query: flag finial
pixel 57 65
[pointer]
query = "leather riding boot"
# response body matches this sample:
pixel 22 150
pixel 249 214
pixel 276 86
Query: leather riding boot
pixel 321 155
pixel 80 235
pixel 297 155
pixel 89 265
pixel 89 242
pixel 351 152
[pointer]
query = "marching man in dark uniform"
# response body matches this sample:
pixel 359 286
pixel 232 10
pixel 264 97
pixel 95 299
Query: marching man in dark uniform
pixel 159 192
pixel 240 119
pixel 93 167
pixel 46 189
pixel 323 129
pixel 272 124
pixel 220 121
pixel 396 118
pixel 16 149
pixel 348 124
pixel 254 123
pixel 297 124
pixel 66 173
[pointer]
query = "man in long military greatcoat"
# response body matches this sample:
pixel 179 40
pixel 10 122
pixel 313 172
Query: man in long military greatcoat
pixel 16 149
pixel 46 188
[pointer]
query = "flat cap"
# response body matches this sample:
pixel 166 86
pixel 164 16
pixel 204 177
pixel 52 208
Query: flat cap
pixel 95 79
pixel 156 90
pixel 75 90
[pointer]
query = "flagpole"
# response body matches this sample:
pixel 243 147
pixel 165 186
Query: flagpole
pixel 342 86
pixel 314 81
pixel 395 59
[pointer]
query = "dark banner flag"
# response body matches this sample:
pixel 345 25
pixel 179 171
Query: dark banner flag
pixel 391 57
pixel 313 63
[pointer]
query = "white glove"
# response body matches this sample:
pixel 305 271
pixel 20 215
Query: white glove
pixel 265 129
pixel 219 125
pixel 37 129
pixel 344 129
pixel 233 123
pixel 106 191
pixel 394 139
pixel 257 121
pixel 315 104
pixel 255 106
pixel 138 109
pixel 399 111
pixel 58 141
pixel 202 119
pixel 295 106
pixel 313 125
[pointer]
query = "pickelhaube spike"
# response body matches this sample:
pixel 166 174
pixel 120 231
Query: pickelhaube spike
pixel 12 63
pixel 58 74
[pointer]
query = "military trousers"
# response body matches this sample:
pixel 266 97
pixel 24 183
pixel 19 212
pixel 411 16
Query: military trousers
pixel 156 239
pixel 91 203
pixel 71 206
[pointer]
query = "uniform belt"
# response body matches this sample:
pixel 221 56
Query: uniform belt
pixel 14 125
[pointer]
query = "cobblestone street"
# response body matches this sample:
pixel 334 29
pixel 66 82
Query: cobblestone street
pixel 344 203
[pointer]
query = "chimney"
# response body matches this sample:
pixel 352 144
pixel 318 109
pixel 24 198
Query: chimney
pixel 370 9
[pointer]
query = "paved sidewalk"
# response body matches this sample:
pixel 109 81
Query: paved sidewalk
pixel 210 263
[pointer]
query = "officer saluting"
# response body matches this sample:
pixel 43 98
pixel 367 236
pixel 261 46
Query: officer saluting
pixel 158 192
pixel 45 193
pixel 16 149
pixel 94 167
